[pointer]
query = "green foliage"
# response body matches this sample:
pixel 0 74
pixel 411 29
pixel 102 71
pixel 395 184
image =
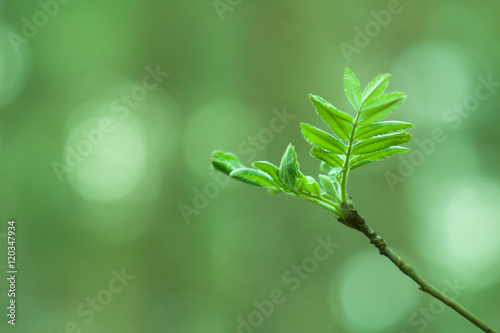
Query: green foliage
pixel 379 143
pixel 253 177
pixel 273 171
pixel 329 158
pixel 331 187
pixel 289 169
pixel 385 127
pixel 321 139
pixel 377 155
pixel 351 88
pixel 225 162
pixel 380 107
pixel 354 142
pixel 340 123
pixel 376 87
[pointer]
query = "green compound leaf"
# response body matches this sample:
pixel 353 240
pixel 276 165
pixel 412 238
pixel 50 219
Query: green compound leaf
pixel 330 158
pixel 375 129
pixel 289 169
pixel 339 122
pixel 375 88
pixel 321 139
pixel 363 159
pixel 380 142
pixel 380 108
pixel 351 88
pixel 225 162
pixel 253 177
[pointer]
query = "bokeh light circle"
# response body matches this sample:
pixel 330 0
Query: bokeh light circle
pixel 13 66
pixel 371 294
pixel 434 75
pixel 460 224
pixel 106 164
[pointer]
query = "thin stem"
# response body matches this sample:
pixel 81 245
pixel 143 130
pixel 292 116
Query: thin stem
pixel 343 185
pixel 323 203
pixel 358 223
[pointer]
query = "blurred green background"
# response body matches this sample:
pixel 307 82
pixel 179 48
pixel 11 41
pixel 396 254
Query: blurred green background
pixel 105 165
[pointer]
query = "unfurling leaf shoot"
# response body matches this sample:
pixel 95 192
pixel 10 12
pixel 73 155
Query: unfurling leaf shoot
pixel 354 141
